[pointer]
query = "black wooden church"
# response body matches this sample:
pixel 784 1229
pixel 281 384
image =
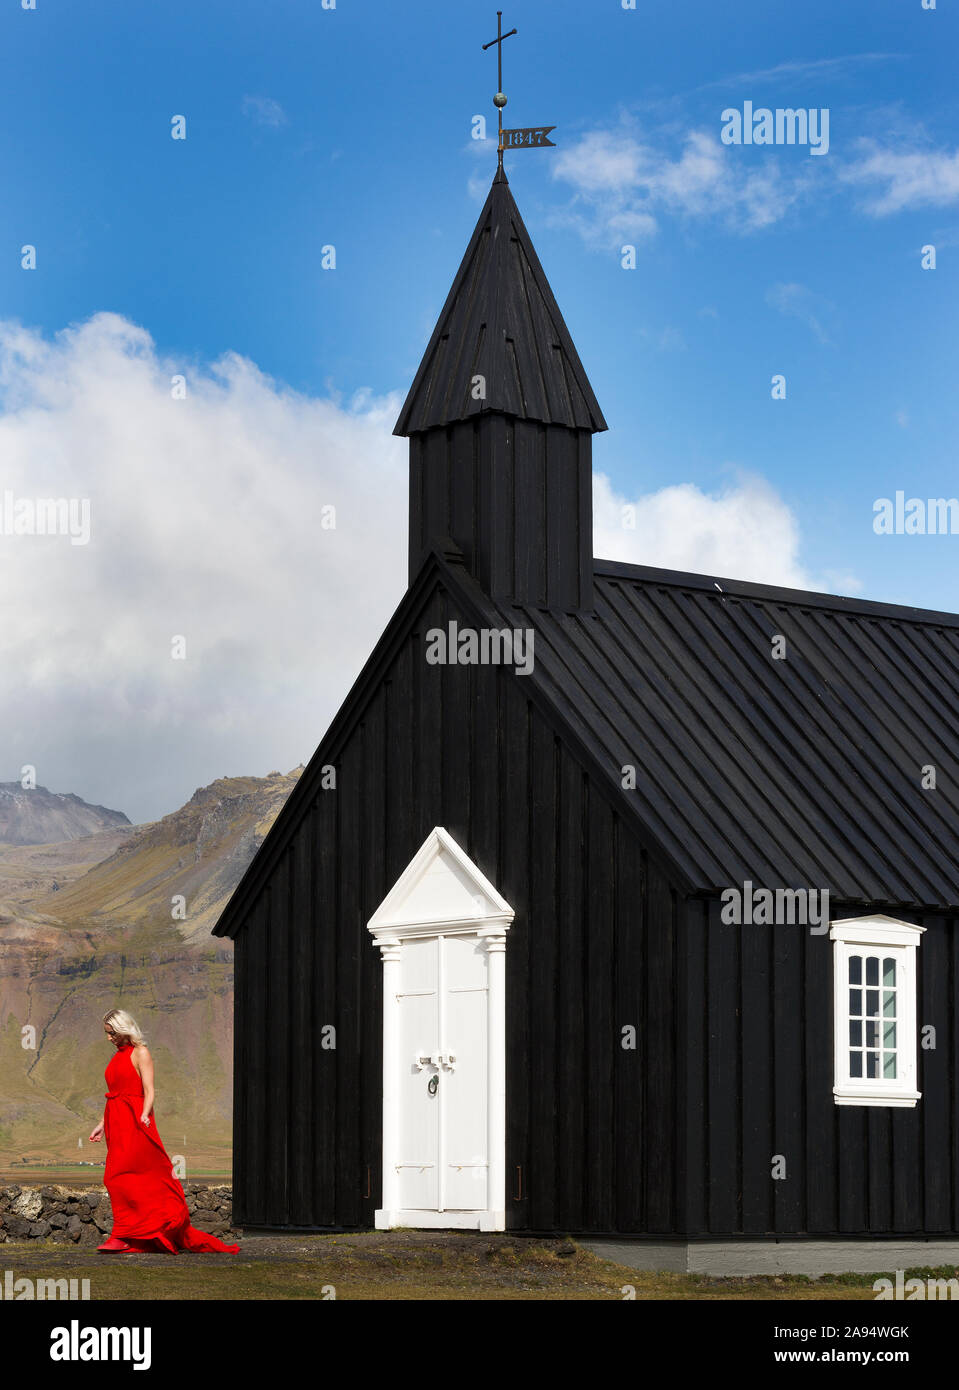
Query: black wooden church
pixel 534 943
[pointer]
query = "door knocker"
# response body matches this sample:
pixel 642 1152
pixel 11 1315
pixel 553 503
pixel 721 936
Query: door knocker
pixel 433 1085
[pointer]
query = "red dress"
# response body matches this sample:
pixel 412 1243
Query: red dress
pixel 149 1208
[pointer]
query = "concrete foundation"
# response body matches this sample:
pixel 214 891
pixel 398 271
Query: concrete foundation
pixel 810 1257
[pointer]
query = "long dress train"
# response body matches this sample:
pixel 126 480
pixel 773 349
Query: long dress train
pixel 149 1208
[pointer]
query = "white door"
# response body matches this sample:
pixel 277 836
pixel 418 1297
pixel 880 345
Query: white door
pixel 443 1018
pixel 442 931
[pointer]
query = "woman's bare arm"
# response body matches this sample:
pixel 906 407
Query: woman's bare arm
pixel 144 1064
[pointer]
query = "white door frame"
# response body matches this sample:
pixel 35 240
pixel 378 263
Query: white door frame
pixel 473 907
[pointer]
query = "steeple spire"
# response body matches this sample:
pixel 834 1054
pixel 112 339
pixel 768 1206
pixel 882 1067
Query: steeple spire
pixel 500 343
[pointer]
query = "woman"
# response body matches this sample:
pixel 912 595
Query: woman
pixel 149 1209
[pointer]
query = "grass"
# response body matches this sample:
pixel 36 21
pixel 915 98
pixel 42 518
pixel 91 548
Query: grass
pixel 78 1174
pixel 407 1265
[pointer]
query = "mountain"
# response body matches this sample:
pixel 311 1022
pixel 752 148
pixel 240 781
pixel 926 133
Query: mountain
pixel 96 923
pixel 41 817
pixel 28 872
pixel 198 854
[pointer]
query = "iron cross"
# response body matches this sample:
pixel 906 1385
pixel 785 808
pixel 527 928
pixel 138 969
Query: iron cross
pixel 499 101
pixel 530 137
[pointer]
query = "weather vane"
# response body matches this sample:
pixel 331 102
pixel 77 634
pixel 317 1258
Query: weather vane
pixel 530 137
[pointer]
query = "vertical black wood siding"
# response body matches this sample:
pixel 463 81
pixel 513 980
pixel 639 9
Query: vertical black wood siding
pixel 759 1079
pixel 733 1061
pixel 516 497
pixel 592 1127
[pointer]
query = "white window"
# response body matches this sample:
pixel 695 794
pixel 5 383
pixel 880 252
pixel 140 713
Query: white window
pixel 874 964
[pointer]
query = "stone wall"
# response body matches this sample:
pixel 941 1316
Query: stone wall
pixel 82 1215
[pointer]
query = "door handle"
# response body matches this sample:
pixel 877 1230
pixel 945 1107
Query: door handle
pixel 435 1059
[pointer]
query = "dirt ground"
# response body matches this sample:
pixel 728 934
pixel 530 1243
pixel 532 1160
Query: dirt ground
pixel 396 1265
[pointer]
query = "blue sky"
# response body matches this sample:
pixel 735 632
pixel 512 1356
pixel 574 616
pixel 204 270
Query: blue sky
pixel 352 126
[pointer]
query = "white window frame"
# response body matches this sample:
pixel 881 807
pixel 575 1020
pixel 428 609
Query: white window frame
pixel 886 935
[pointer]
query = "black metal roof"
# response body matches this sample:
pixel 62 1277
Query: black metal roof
pixel 805 771
pixel 501 322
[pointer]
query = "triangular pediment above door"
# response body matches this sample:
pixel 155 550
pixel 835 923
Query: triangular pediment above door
pixel 441 886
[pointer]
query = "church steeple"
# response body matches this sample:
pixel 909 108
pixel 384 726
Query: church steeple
pixel 500 342
pixel 500 418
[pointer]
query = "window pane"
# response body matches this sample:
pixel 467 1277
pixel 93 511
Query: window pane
pixel 875 975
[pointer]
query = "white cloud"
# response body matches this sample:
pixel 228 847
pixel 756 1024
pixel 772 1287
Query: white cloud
pixel 818 68
pixel 796 301
pixel 478 184
pixel 671 340
pixel 894 180
pixel 205 522
pixel 603 161
pixel 264 111
pixel 746 531
pixel 625 180
pixel 842 582
pixel 483 155
pixel 623 185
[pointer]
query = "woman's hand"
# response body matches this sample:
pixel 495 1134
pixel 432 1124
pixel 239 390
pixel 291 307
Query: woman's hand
pixel 144 1119
pixel 97 1134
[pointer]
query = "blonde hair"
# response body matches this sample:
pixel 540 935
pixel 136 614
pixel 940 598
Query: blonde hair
pixel 125 1025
